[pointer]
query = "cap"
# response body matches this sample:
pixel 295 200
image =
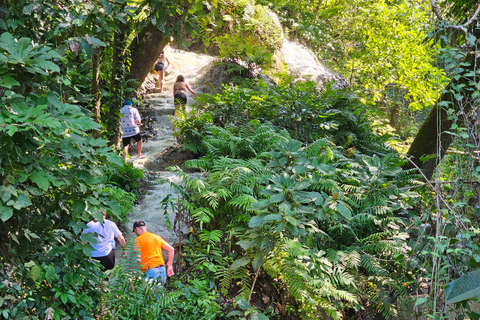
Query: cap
pixel 127 101
pixel 138 223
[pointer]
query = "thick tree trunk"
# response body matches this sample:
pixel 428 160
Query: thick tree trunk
pixel 145 49
pixel 116 102
pixel 437 122
pixel 96 88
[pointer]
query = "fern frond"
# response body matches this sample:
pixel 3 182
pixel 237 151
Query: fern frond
pixel 242 201
pixel 198 164
pixel 372 266
pixel 210 237
pixel 202 216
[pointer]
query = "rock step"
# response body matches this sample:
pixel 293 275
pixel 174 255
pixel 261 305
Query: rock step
pixel 156 100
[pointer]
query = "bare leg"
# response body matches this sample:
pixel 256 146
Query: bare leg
pixel 125 153
pixel 160 80
pixel 139 148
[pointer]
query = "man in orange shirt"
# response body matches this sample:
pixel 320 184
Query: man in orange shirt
pixel 151 247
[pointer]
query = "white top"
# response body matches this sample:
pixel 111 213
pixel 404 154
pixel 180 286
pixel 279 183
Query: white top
pixel 130 116
pixel 106 236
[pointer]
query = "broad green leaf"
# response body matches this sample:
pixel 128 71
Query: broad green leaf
pixel 258 316
pixel 115 159
pixel 84 123
pixel 259 205
pixel 64 298
pixel 7 81
pixel 272 217
pixel 344 210
pixel 280 227
pixel 40 179
pixel 258 260
pixel 240 263
pixel 279 197
pixel 464 288
pixel 420 301
pixel 49 273
pixel 36 272
pixel 302 185
pixel 299 169
pixel 292 220
pixel 294 145
pixel 21 202
pixel 292 229
pixel 242 303
pixel 42 66
pixel 6 192
pixel 5 213
pixel 256 221
pixel 234 313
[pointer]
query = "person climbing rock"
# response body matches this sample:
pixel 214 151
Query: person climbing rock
pixel 131 121
pixel 160 68
pixel 151 246
pixel 104 249
pixel 180 88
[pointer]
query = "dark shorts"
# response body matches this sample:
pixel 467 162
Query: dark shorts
pixel 108 261
pixel 159 66
pixel 126 141
pixel 180 98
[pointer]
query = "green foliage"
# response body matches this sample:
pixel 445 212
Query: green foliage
pixel 326 221
pixel 302 110
pixel 190 128
pixel 54 179
pixel 383 48
pixel 464 288
pixel 129 295
pixel 239 30
pixel 246 312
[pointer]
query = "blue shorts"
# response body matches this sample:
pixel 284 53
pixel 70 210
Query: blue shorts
pixel 155 273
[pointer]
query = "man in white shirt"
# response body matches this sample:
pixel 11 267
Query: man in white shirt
pixel 130 127
pixel 104 249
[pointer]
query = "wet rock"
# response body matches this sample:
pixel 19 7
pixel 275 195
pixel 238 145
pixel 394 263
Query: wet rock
pixel 171 156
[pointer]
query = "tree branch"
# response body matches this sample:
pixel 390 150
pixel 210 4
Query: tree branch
pixel 436 11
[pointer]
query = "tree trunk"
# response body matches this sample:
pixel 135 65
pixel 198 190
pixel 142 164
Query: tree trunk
pixel 145 49
pixel 150 41
pixel 96 88
pixel 116 101
pixel 438 122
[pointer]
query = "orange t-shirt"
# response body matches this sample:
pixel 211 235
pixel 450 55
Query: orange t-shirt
pixel 151 249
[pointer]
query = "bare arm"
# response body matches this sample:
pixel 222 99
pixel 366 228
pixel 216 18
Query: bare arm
pixel 168 63
pixel 122 241
pixel 196 95
pixel 171 251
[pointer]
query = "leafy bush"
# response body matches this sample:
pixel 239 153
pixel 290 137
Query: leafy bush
pixel 323 223
pixel 55 178
pixel 305 112
pixel 130 296
pixel 239 30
